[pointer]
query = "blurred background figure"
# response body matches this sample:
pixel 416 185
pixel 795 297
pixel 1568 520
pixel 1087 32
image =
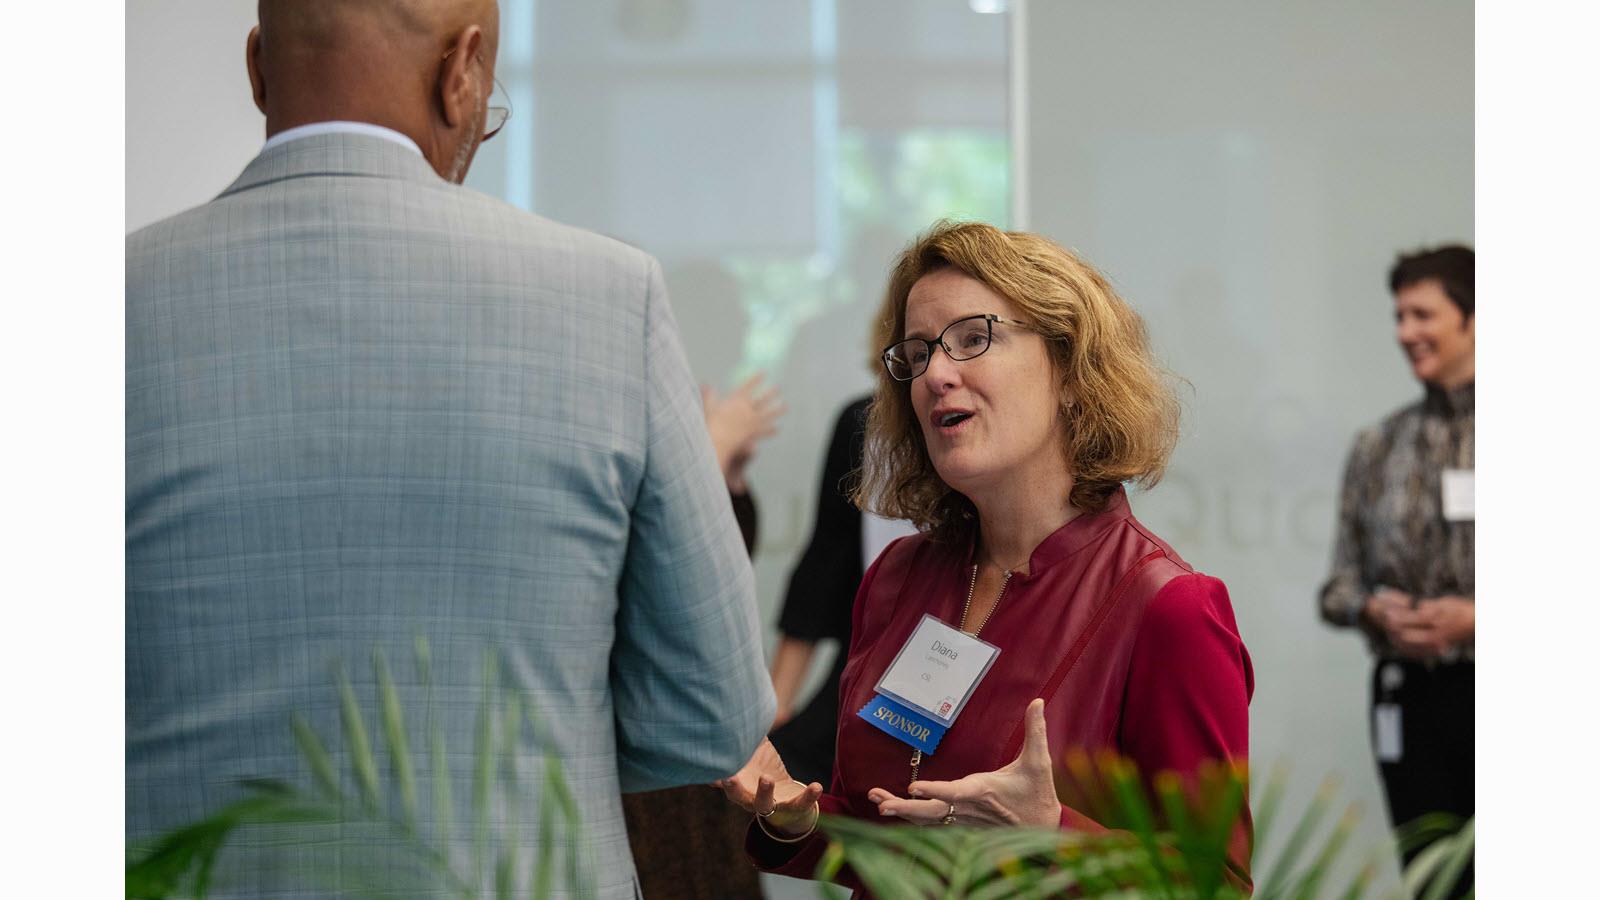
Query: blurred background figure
pixel 1403 563
pixel 714 335
pixel 819 599
pixel 738 418
pixel 844 540
pixel 737 422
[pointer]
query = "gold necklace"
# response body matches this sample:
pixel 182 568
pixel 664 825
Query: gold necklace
pixel 916 755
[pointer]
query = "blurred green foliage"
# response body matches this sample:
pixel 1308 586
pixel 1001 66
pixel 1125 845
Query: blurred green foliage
pixel 890 186
pixel 385 804
pixel 1167 840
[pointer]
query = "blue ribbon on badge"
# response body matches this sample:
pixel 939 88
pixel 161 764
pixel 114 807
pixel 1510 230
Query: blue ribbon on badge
pixel 899 721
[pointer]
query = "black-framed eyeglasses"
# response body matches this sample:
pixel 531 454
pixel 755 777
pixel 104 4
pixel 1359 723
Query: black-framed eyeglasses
pixel 962 340
pixel 498 113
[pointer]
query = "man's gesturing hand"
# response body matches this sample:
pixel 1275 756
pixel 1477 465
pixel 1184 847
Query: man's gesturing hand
pixel 1021 793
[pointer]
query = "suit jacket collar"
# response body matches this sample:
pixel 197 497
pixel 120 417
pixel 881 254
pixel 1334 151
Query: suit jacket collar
pixel 340 154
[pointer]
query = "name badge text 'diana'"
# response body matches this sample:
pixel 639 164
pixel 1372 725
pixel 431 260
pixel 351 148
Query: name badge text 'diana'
pixel 929 682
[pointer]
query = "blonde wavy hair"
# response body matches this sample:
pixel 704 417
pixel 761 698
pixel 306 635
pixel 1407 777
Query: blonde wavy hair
pixel 1118 408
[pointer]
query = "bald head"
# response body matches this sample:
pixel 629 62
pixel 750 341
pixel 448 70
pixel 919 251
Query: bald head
pixel 333 23
pixel 421 67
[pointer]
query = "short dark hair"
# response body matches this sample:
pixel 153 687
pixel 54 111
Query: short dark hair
pixel 1450 265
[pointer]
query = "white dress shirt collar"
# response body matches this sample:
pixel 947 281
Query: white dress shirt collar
pixel 316 128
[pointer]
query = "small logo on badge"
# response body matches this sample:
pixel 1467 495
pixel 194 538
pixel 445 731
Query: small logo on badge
pixel 944 709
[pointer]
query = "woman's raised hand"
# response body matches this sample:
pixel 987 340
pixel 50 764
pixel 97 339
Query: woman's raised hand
pixel 763 787
pixel 737 422
pixel 1021 793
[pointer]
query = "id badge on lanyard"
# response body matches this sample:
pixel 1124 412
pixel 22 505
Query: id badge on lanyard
pixel 929 683
pixel 1455 495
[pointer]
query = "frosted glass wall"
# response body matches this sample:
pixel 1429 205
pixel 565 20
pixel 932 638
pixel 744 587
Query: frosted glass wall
pixel 1245 173
pixel 774 156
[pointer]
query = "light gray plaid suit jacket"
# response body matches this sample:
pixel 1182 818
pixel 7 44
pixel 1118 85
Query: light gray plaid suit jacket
pixel 364 406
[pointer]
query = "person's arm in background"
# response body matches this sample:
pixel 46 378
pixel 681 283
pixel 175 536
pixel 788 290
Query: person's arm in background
pixel 790 664
pixel 825 580
pixel 689 684
pixel 1441 626
pixel 736 424
pixel 1345 600
pixel 1418 628
pixel 739 421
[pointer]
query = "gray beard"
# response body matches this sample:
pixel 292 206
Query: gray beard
pixel 458 168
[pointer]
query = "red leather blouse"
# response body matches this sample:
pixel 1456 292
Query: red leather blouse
pixel 1131 649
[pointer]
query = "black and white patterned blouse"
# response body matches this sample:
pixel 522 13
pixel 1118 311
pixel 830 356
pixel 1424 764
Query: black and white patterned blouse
pixel 1393 531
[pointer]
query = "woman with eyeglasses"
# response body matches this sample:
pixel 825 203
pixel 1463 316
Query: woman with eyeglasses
pixel 1033 616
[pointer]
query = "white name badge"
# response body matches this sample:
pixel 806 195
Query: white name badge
pixel 1386 733
pixel 937 669
pixel 1455 489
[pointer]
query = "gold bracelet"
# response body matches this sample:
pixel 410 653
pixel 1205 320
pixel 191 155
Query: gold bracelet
pixel 761 822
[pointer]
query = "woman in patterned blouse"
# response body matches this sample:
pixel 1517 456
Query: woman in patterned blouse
pixel 1403 566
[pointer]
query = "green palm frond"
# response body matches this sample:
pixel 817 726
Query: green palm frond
pixel 483 772
pixel 1441 863
pixel 1278 881
pixel 181 863
pixel 355 736
pixel 1169 839
pixel 1308 884
pixel 316 755
pixel 1180 853
pixel 1362 882
pixel 438 758
pixel 394 735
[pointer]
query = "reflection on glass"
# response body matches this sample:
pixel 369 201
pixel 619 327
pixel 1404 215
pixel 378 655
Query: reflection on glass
pixel 775 157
